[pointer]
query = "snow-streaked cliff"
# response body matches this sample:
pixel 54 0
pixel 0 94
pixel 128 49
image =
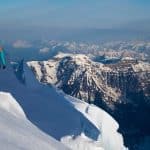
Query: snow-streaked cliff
pixel 93 82
pixel 121 88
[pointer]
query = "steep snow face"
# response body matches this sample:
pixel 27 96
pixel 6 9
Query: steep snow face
pixel 54 113
pixel 9 104
pixel 103 121
pixel 17 132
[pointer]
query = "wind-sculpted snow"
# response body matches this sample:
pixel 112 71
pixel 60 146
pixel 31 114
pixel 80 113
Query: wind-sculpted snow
pixel 17 133
pixel 103 121
pixel 9 104
pixel 53 113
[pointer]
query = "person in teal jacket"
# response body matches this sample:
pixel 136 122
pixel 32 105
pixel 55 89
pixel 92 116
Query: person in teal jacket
pixel 2 58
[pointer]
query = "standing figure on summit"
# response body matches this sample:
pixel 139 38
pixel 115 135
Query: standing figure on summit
pixel 2 58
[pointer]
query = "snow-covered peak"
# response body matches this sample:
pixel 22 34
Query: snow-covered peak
pixel 141 67
pixel 79 59
pixel 70 69
pixel 19 133
pixel 61 55
pixel 111 86
pixel 9 104
pixel 54 114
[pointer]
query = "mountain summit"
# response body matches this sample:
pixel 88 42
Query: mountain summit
pixel 121 88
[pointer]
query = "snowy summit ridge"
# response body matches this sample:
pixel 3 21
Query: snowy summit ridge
pixel 68 120
pixel 17 132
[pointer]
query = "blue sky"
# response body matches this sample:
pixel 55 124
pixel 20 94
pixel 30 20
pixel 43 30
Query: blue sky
pixel 73 13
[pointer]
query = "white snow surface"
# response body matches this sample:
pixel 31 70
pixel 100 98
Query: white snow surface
pixel 17 133
pixel 104 122
pixel 140 67
pixel 9 104
pixel 76 124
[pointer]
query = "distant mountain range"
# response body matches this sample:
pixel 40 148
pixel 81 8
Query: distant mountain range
pixel 45 49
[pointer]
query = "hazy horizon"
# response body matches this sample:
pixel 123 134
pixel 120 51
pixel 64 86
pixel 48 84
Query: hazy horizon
pixel 68 18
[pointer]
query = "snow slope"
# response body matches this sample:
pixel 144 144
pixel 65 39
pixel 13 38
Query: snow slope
pixel 103 121
pixel 16 132
pixel 62 119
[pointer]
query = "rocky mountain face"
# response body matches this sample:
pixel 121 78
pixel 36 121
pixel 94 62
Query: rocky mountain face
pixel 122 88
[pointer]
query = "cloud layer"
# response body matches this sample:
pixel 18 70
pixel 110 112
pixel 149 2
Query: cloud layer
pixel 22 44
